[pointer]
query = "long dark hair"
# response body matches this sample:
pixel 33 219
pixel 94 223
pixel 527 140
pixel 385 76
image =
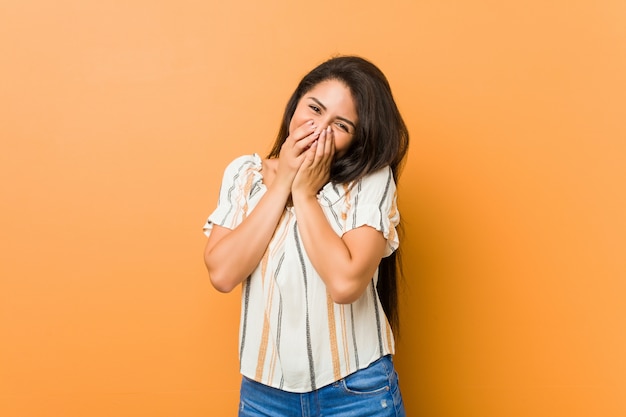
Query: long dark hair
pixel 380 139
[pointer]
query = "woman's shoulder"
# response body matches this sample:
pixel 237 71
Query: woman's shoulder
pixel 383 174
pixel 251 162
pixel 380 178
pixel 244 168
pixel 376 181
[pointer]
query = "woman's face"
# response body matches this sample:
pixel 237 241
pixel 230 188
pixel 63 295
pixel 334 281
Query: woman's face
pixel 329 103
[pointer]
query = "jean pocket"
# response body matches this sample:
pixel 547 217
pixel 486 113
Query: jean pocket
pixel 369 381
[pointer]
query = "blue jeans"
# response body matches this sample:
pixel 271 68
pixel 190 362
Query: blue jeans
pixel 372 391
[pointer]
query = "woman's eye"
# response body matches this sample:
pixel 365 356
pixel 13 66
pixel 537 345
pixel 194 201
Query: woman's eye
pixel 343 127
pixel 314 108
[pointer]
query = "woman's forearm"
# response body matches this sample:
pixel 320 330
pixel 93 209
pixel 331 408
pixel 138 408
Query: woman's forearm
pixel 231 255
pixel 346 265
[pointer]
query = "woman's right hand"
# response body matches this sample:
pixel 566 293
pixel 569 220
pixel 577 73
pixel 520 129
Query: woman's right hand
pixel 292 152
pixel 231 255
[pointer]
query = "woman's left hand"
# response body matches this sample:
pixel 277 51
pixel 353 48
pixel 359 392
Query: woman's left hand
pixel 314 172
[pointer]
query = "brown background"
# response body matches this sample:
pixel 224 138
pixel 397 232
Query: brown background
pixel 117 119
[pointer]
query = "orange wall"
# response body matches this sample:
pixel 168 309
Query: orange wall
pixel 117 119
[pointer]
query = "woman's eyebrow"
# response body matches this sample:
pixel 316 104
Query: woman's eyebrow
pixel 347 121
pixel 319 103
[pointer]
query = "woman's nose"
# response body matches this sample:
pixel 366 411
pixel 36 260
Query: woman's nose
pixel 322 123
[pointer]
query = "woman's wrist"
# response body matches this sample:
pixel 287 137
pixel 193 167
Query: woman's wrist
pixel 300 196
pixel 280 189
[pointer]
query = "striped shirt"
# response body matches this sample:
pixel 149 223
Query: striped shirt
pixel 292 336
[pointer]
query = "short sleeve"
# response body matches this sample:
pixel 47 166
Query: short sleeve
pixel 372 201
pixel 241 182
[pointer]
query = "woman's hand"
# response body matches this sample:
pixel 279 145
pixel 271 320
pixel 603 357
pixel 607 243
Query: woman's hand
pixel 293 151
pixel 314 170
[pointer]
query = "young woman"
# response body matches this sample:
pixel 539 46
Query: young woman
pixel 311 233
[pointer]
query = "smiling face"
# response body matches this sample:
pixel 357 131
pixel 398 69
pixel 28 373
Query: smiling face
pixel 329 103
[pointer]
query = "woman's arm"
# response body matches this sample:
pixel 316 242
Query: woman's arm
pixel 231 255
pixel 346 264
